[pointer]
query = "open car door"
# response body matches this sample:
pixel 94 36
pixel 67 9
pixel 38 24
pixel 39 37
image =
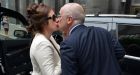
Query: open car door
pixel 14 50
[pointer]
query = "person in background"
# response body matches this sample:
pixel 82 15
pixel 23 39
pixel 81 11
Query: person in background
pixel 44 51
pixel 87 50
pixel 5 24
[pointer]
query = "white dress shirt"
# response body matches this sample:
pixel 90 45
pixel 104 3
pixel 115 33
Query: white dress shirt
pixel 44 57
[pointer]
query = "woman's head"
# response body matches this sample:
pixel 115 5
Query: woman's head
pixel 41 18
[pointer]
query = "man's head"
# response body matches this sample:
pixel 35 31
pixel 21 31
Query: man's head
pixel 70 15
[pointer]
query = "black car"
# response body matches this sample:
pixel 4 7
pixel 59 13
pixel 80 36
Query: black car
pixel 14 47
pixel 126 28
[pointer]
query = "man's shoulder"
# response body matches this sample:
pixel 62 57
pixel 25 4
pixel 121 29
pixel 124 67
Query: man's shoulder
pixel 78 30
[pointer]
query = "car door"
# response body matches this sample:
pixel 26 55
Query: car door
pixel 129 37
pixel 127 31
pixel 16 56
pixel 14 50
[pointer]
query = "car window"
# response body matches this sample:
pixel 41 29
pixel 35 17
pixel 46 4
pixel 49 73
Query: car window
pixel 129 36
pixel 12 25
pixel 97 24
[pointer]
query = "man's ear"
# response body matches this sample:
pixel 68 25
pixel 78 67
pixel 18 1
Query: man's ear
pixel 69 20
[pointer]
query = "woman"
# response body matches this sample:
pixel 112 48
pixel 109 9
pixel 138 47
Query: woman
pixel 44 52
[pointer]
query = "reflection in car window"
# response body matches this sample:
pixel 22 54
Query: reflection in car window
pixel 129 36
pixel 97 24
pixel 14 24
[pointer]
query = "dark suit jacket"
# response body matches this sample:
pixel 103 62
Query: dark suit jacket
pixel 90 51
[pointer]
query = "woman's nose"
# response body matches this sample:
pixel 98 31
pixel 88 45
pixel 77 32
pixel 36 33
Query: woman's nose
pixel 57 20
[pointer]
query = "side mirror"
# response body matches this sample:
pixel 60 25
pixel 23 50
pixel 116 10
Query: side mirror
pixel 20 33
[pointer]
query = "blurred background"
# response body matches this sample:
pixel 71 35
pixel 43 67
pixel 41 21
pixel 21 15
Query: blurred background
pixel 91 6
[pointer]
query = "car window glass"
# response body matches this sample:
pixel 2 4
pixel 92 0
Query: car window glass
pixel 12 25
pixel 129 36
pixel 97 24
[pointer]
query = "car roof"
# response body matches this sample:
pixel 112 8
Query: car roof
pixel 14 14
pixel 112 15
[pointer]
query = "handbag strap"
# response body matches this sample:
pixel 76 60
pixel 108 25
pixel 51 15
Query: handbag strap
pixel 55 48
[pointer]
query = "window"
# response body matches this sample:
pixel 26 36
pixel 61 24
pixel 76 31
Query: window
pixel 11 27
pixel 97 24
pixel 129 36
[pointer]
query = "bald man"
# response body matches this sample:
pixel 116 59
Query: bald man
pixel 86 50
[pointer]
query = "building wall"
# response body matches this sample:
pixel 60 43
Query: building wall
pixel 51 3
pixel 91 6
pixel 114 7
pixel 94 6
pixel 101 6
pixel 23 4
pixel 22 7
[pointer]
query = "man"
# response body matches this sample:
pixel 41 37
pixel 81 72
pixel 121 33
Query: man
pixel 86 50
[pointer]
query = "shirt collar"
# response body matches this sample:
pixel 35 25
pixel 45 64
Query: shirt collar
pixel 73 28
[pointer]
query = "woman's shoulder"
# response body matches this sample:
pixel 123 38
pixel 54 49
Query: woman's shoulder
pixel 39 39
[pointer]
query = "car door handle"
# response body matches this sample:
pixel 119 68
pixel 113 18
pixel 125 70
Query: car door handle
pixel 132 57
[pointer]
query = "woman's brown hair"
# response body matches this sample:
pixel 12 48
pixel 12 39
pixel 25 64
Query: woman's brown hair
pixel 37 16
